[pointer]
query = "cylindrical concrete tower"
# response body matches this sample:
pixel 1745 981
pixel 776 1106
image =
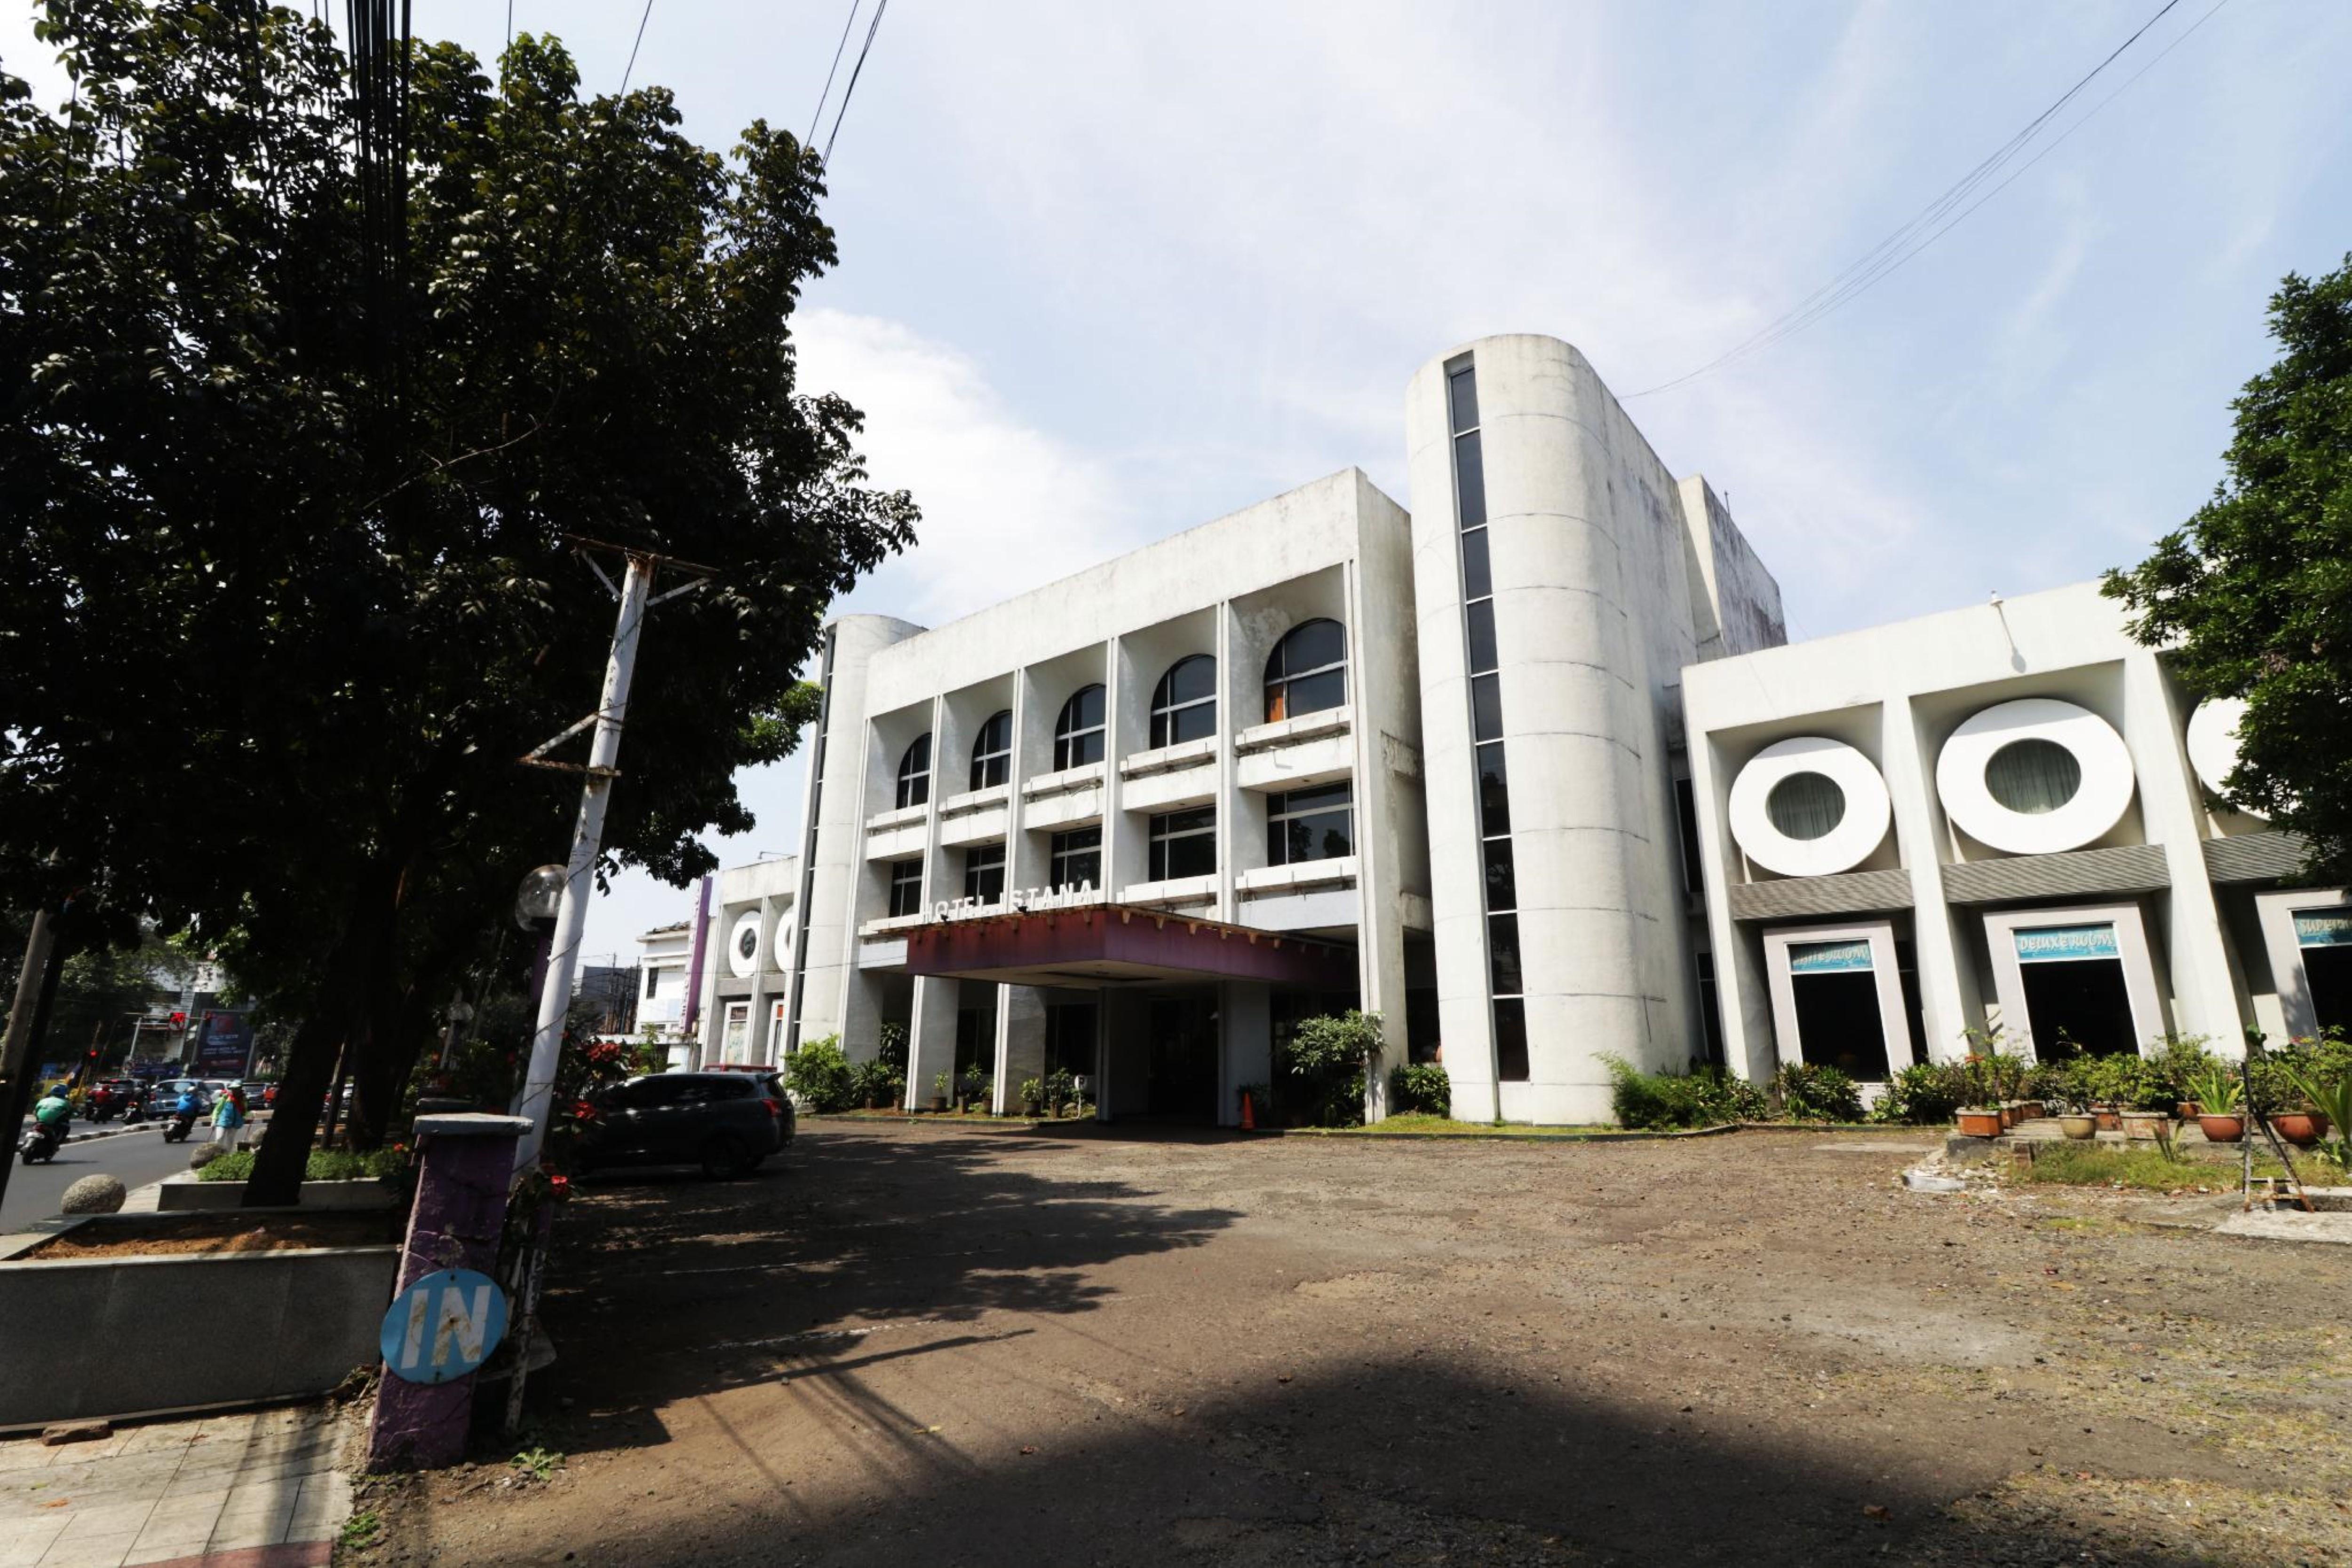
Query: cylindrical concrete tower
pixel 1551 587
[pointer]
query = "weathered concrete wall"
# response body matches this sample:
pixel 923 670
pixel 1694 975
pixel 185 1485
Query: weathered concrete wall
pixel 111 1336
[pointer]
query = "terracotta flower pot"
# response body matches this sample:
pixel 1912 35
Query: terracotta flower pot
pixel 2188 1111
pixel 2108 1118
pixel 2222 1129
pixel 2031 1111
pixel 2300 1128
pixel 939 1104
pixel 2148 1124
pixel 1980 1123
pixel 2079 1126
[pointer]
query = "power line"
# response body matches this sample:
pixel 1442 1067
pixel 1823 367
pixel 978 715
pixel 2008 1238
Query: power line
pixel 817 119
pixel 881 6
pixel 1931 222
pixel 627 70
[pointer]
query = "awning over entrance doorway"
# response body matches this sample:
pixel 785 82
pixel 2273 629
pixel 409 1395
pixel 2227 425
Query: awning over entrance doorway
pixel 1114 945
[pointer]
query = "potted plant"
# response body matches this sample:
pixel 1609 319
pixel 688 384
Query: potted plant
pixel 939 1083
pixel 1033 1096
pixel 2218 1101
pixel 1061 1089
pixel 2147 1124
pixel 1980 1121
pixel 2302 1126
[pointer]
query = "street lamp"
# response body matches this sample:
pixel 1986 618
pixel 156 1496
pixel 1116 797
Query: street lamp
pixel 536 900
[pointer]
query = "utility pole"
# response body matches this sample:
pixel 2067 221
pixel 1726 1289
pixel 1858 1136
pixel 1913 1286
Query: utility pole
pixel 536 1103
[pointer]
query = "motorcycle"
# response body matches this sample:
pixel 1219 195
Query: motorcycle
pixel 181 1122
pixel 41 1141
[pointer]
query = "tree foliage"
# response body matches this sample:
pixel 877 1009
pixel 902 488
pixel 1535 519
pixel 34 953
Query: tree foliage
pixel 2255 594
pixel 292 589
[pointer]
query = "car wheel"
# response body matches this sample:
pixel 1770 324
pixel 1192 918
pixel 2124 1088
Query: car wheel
pixel 727 1155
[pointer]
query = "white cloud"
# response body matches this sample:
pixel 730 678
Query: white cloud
pixel 1005 506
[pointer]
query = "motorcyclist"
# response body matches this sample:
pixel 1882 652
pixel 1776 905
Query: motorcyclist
pixel 54 1110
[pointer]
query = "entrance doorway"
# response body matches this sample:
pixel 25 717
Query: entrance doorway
pixel 1838 1024
pixel 2328 971
pixel 1182 1082
pixel 2080 1006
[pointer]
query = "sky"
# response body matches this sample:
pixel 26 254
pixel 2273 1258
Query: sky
pixel 1110 271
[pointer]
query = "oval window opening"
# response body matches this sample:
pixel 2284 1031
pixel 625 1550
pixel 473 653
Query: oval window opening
pixel 1806 806
pixel 2034 777
pixel 748 942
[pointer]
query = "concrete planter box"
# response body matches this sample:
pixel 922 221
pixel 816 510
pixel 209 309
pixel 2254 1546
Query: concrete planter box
pixel 183 1195
pixel 124 1336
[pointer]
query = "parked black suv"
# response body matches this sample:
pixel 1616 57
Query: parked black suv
pixel 728 1123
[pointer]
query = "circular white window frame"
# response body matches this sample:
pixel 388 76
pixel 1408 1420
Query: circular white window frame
pixel 738 963
pixel 2098 802
pixel 2213 746
pixel 1860 830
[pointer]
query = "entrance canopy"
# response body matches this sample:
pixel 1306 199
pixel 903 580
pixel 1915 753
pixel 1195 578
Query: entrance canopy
pixel 1111 944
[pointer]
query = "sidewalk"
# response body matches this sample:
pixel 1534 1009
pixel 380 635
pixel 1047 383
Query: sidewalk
pixel 258 1489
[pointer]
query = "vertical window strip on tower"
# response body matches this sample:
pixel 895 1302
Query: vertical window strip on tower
pixel 808 844
pixel 1505 979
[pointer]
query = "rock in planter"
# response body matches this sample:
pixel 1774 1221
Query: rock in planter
pixel 203 1154
pixel 94 1194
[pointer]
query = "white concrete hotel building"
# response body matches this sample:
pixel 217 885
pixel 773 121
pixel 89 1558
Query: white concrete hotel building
pixel 1528 773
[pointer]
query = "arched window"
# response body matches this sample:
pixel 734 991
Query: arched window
pixel 915 772
pixel 1308 671
pixel 1078 733
pixel 1185 703
pixel 992 752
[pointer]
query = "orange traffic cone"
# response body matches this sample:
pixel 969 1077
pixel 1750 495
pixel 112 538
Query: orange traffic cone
pixel 1249 1118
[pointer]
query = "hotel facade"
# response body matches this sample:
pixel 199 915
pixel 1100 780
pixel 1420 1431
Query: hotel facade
pixel 1525 771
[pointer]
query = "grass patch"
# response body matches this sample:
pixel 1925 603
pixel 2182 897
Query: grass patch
pixel 324 1165
pixel 363 1530
pixel 2147 1170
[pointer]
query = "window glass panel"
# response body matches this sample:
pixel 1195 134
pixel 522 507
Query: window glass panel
pixel 992 752
pixel 1183 844
pixel 1314 694
pixel 1806 806
pixel 1502 876
pixel 1189 679
pixel 983 872
pixel 1494 791
pixel 1084 711
pixel 1480 616
pixel 1077 856
pixel 915 774
pixel 1687 818
pixel 1510 1039
pixel 1503 953
pixel 2031 776
pixel 1469 481
pixel 1486 707
pixel 1318 836
pixel 1195 855
pixel 1197 722
pixel 906 888
pixel 1463 388
pixel 1477 576
pixel 1311 645
pixel 1076 751
pixel 1321 797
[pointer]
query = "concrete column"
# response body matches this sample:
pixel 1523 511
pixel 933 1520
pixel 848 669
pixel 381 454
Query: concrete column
pixel 1020 1041
pixel 930 1034
pixel 466 1166
pixel 1246 1020
pixel 1240 704
pixel 2204 995
pixel 1102 1053
pixel 1948 988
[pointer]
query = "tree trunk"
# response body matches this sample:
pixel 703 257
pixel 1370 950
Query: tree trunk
pixel 337 1012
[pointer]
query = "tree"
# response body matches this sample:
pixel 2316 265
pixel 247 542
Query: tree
pixel 2255 594
pixel 292 589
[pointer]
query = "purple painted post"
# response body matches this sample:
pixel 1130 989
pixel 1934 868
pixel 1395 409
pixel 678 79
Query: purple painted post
pixel 460 1212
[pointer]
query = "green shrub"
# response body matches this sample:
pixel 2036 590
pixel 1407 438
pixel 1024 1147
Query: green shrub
pixel 2280 1075
pixel 1703 1097
pixel 821 1076
pixel 877 1083
pixel 1810 1093
pixel 1421 1085
pixel 2125 1080
pixel 2181 1061
pixel 1321 1067
pixel 324 1165
pixel 1923 1094
pixel 1994 1075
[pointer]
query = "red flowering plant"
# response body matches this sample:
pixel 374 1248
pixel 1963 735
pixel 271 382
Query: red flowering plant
pixel 586 1067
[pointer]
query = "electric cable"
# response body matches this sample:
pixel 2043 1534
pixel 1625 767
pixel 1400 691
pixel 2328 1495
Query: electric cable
pixel 1931 222
pixel 881 6
pixel 818 117
pixel 630 69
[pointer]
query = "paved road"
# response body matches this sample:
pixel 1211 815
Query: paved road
pixel 137 1159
